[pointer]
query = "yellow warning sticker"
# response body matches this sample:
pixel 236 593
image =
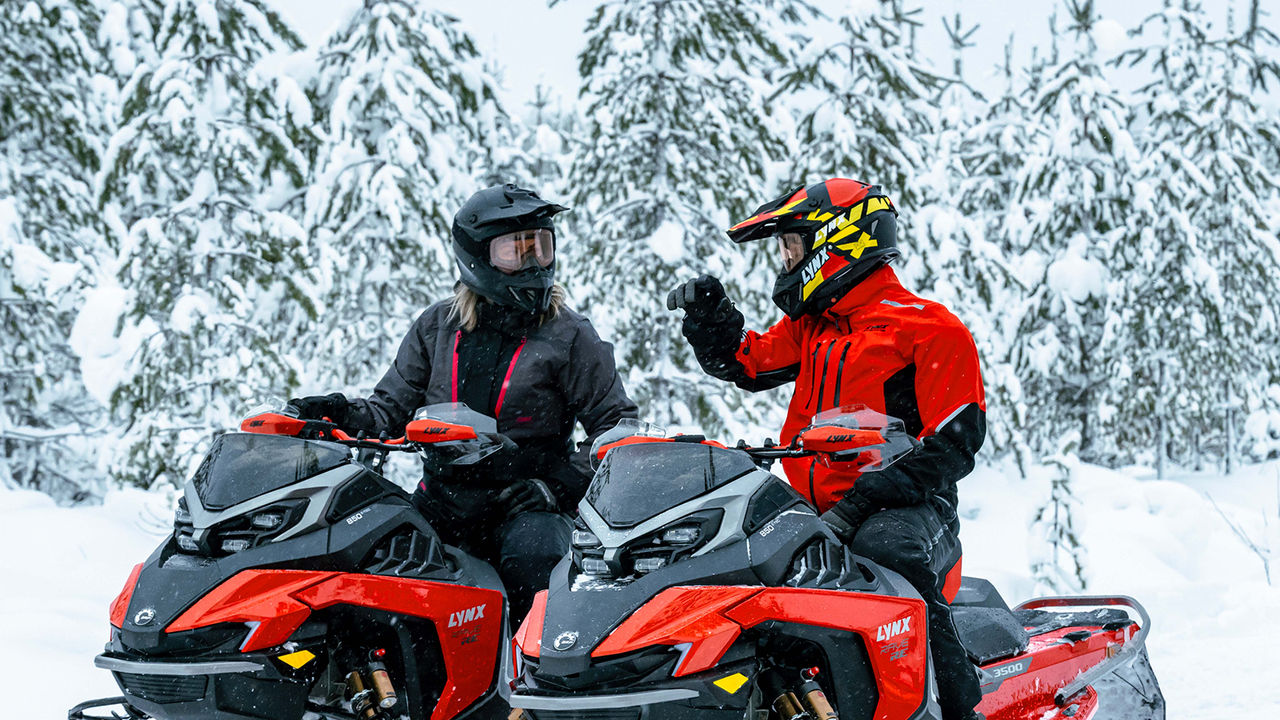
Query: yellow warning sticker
pixel 297 659
pixel 732 683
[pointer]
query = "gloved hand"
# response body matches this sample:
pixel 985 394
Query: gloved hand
pixel 315 407
pixel 529 495
pixel 845 517
pixel 700 297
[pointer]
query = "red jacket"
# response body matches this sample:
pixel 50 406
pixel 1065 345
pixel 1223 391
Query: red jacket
pixel 883 347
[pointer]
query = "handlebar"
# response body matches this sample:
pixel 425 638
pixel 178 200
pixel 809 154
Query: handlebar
pixel 419 434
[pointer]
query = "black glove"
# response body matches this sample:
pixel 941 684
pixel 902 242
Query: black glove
pixel 845 517
pixel 712 325
pixel 529 495
pixel 316 407
pixel 699 297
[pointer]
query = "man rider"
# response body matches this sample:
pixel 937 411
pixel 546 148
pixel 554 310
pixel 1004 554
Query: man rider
pixel 506 345
pixel 853 335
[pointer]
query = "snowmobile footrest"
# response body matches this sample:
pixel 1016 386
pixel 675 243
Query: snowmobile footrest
pixel 1121 659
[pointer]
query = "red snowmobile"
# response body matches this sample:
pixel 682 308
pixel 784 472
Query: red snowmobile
pixel 298 581
pixel 702 586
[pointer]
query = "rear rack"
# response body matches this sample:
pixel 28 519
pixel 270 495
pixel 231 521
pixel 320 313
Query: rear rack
pixel 1120 660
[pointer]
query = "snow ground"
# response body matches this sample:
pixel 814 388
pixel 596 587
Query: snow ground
pixel 1215 643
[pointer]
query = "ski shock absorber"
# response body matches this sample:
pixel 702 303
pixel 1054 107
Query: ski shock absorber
pixel 784 701
pixel 360 697
pixel 814 699
pixel 382 686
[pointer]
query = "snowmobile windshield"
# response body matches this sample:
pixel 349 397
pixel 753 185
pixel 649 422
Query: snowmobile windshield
pixel 636 482
pixel 241 466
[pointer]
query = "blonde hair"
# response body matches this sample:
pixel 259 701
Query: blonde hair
pixel 465 308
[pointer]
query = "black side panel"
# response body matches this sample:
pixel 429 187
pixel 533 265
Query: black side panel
pixel 768 502
pixel 900 400
pixel 358 492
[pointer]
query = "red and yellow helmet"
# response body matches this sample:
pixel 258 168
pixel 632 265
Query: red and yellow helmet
pixel 830 235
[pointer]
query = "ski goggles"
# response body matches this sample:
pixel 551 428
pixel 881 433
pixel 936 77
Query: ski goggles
pixel 517 250
pixel 792 246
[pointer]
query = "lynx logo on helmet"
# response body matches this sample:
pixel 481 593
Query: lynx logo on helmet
pixel 811 275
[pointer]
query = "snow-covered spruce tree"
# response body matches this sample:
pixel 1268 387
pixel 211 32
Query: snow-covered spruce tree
pixel 1240 147
pixel 1201 270
pixel 54 91
pixel 1058 565
pixel 212 277
pixel 1075 185
pixel 676 145
pixel 992 152
pixel 1166 280
pixel 874 106
pixel 959 255
pixel 408 112
pixel 544 141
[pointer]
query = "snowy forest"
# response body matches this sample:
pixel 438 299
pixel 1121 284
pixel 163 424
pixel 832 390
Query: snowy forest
pixel 198 212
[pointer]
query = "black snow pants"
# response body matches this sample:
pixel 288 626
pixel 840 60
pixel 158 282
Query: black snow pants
pixel 920 542
pixel 523 548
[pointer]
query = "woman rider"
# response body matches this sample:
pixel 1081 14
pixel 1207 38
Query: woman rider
pixel 506 345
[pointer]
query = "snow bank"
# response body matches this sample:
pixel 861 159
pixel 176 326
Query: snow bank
pixel 63 567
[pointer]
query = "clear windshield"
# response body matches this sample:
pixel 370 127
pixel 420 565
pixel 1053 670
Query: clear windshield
pixel 241 466
pixel 636 482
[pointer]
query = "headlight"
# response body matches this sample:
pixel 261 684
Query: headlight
pixel 585 539
pixel 649 564
pixel 267 520
pixel 594 566
pixel 683 535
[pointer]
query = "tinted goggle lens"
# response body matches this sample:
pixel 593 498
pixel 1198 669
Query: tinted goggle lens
pixel 517 250
pixel 792 246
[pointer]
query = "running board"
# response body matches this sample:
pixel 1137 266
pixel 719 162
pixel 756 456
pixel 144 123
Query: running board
pixel 1120 660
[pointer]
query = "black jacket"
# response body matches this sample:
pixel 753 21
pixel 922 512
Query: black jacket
pixel 554 373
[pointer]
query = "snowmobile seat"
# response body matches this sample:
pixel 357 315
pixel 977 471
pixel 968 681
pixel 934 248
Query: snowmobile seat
pixel 988 630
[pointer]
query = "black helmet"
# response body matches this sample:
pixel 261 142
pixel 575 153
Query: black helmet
pixel 832 235
pixel 497 211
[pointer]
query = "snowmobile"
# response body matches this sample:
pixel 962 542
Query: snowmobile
pixel 702 586
pixel 299 581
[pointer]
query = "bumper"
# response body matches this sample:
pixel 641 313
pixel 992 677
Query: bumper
pixel 578 703
pixel 252 687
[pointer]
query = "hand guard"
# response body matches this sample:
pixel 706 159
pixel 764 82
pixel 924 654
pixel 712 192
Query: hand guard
pixel 529 495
